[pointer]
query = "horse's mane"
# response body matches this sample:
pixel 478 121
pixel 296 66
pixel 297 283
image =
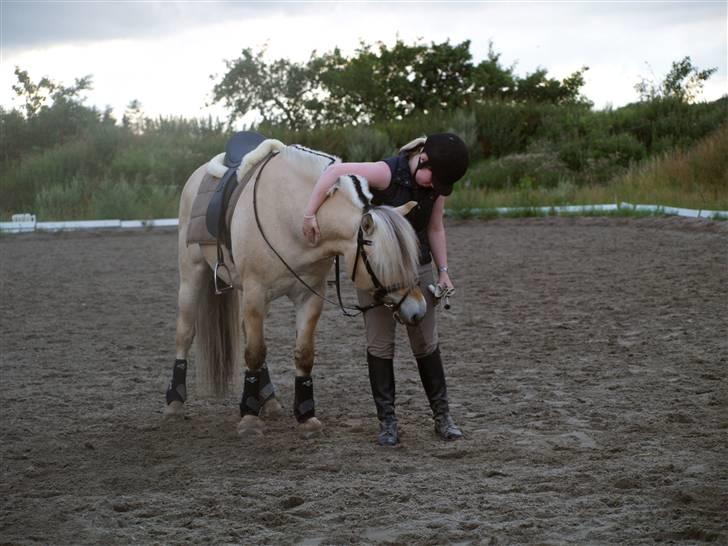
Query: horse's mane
pixel 307 161
pixel 396 254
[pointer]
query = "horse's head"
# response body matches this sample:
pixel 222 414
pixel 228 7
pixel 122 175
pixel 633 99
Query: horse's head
pixel 385 264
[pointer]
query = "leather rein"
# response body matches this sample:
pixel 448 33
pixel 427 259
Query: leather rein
pixel 381 290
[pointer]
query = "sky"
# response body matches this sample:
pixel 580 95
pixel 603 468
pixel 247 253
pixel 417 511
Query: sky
pixel 168 55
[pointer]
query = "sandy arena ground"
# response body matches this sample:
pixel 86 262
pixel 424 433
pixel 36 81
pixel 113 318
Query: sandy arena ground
pixel 587 363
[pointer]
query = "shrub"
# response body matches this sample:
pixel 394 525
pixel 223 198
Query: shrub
pixel 115 199
pixel 367 144
pixel 534 170
pixel 34 172
pixel 63 201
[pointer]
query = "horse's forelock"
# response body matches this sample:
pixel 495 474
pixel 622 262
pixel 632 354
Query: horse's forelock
pixel 397 248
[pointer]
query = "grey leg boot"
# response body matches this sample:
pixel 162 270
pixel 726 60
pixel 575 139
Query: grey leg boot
pixel 381 378
pixel 433 380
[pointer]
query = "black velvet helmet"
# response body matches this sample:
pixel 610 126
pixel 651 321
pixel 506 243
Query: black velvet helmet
pixel 447 156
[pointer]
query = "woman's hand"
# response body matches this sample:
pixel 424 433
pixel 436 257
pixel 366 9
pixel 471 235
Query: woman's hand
pixel 444 280
pixel 311 229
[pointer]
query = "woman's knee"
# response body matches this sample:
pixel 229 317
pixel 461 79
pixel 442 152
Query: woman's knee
pixel 381 350
pixel 425 349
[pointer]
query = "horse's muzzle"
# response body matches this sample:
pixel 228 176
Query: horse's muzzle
pixel 412 308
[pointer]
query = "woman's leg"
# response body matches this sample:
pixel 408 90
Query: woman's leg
pixel 380 331
pixel 425 347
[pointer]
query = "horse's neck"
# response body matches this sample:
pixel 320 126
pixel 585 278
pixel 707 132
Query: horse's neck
pixel 338 219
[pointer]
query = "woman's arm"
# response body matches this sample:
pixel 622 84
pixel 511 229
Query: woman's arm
pixel 377 175
pixel 438 240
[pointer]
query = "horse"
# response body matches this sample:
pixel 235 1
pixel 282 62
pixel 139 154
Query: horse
pixel 273 259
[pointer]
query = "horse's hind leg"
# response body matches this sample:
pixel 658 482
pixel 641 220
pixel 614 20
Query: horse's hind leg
pixel 194 274
pixel 308 311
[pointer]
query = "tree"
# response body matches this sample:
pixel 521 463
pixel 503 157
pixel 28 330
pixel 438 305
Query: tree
pixel 51 113
pixel 491 80
pixel 380 83
pixel 133 118
pixel 281 91
pixel 684 82
pixel 537 87
pixel 35 95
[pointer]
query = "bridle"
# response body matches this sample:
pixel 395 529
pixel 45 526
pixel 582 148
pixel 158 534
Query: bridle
pixel 381 291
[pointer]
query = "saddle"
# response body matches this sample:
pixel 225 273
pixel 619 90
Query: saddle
pixel 219 191
pixel 217 195
pixel 239 145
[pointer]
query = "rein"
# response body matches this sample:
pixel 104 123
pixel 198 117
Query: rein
pixel 361 242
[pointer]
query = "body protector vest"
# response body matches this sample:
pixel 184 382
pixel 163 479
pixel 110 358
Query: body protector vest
pixel 403 189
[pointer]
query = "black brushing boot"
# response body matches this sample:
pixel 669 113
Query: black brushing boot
pixel 177 389
pixel 433 379
pixel 381 378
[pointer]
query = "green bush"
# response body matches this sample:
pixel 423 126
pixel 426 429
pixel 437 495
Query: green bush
pixel 623 149
pixel 520 170
pixel 56 166
pixel 503 128
pixel 465 124
pixel 63 201
pixel 115 200
pixel 367 144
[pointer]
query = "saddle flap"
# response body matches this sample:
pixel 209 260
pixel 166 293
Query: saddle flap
pixel 214 217
pixel 239 145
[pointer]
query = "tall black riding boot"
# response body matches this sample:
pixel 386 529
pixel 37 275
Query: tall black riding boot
pixel 433 379
pixel 381 378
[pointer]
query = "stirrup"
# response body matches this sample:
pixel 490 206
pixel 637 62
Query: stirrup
pixel 222 287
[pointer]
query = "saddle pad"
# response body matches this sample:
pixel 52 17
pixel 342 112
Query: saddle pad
pixel 197 232
pixel 197 228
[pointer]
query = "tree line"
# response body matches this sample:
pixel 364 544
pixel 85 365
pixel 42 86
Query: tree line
pixel 58 155
pixel 379 83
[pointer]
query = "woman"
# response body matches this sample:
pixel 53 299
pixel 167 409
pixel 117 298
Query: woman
pixel 424 171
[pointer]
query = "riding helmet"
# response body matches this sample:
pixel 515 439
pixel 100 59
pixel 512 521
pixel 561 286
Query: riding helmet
pixel 447 156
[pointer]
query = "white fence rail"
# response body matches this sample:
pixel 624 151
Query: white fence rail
pixel 24 223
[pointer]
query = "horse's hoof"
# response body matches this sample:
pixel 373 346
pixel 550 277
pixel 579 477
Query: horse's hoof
pixel 174 409
pixel 311 428
pixel 250 425
pixel 271 409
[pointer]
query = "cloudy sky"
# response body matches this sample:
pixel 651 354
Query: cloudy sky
pixel 165 53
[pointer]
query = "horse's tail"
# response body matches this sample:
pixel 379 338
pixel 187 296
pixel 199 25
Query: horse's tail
pixel 218 339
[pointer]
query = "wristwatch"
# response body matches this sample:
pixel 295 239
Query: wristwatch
pixel 442 269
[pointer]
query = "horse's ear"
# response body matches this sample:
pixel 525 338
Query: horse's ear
pixel 404 209
pixel 367 223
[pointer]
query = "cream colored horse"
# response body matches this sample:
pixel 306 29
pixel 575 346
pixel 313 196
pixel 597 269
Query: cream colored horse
pixel 283 186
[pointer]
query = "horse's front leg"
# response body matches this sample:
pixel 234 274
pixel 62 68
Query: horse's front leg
pixel 308 311
pixel 258 392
